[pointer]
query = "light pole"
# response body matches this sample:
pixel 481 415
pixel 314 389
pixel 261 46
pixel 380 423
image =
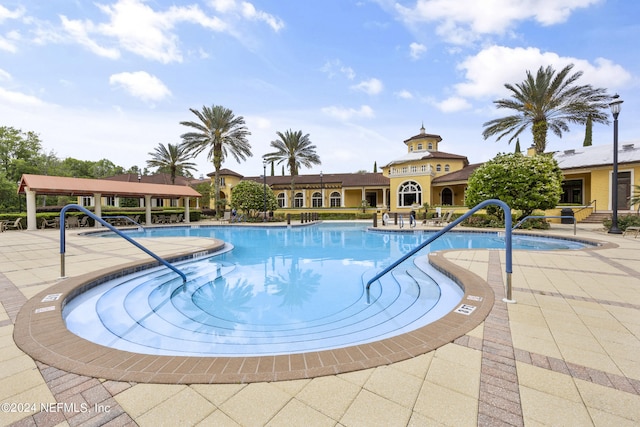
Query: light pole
pixel 615 110
pixel 321 191
pixel 264 187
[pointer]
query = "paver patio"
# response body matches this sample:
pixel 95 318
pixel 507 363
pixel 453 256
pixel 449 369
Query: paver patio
pixel 567 353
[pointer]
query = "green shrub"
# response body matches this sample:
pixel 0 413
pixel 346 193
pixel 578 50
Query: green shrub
pixel 624 221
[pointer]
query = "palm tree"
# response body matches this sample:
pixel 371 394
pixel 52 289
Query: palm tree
pixel 548 101
pixel 223 134
pixel 173 159
pixel 295 150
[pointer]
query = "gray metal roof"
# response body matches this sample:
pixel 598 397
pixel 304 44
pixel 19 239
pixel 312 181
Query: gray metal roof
pixel 597 155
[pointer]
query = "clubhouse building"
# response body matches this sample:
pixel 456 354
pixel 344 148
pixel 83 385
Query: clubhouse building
pixel 424 174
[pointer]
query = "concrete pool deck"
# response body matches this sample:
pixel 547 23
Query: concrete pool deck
pixel 567 353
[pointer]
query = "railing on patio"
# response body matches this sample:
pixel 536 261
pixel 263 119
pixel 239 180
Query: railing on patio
pixel 548 216
pixel 507 219
pixel 110 227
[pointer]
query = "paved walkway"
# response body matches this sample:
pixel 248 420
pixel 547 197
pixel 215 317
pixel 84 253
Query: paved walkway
pixel 567 353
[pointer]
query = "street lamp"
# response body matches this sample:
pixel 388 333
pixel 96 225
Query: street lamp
pixel 321 191
pixel 615 110
pixel 264 186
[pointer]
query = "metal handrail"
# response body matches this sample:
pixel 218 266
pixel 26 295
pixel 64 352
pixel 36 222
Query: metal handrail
pixel 593 202
pixel 508 247
pixel 112 228
pixel 548 216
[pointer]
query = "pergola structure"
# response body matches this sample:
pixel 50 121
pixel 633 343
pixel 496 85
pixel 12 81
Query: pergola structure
pixel 33 185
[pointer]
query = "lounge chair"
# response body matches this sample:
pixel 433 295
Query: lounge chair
pixel 226 218
pixel 444 219
pixel 73 222
pixel 44 223
pixel 634 229
pixel 84 222
pixel 16 225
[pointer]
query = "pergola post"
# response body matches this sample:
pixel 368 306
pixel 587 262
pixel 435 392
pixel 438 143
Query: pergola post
pixel 147 209
pixel 32 222
pixel 186 210
pixel 97 202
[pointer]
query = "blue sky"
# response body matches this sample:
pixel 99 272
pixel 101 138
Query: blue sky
pixel 113 78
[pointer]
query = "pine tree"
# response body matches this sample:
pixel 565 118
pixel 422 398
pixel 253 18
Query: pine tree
pixel 375 167
pixel 518 145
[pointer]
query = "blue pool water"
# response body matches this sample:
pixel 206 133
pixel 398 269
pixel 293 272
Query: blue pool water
pixel 276 291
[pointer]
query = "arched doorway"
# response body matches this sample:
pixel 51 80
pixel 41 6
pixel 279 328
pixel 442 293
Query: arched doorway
pixel 447 197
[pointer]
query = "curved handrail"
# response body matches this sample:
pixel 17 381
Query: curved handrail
pixel 112 228
pixel 507 219
pixel 548 216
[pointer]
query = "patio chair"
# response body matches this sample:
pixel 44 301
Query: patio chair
pixel 225 218
pixel 16 225
pixel 72 222
pixel 84 222
pixel 44 223
pixel 632 229
pixel 444 219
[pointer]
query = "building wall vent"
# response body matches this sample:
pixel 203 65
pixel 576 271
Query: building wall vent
pixel 569 152
pixel 627 147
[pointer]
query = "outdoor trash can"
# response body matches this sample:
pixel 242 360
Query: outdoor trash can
pixel 567 212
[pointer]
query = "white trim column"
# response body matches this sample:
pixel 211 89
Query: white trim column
pixel 32 222
pixel 97 206
pixel 342 198
pixel 187 215
pixel 147 210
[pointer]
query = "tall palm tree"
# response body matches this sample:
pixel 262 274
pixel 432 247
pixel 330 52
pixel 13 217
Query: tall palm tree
pixel 171 158
pixel 221 133
pixel 548 101
pixel 295 150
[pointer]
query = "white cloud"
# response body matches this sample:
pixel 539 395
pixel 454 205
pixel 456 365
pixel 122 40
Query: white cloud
pixel 453 104
pixel 141 84
pixel 345 114
pixel 487 72
pixel 18 98
pixel 249 12
pixel 134 26
pixel 10 14
pixel 416 50
pixel 404 94
pixel 334 67
pixel 463 21
pixel 372 86
pixel 4 75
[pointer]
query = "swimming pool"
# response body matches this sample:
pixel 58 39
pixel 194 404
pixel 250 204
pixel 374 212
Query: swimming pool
pixel 277 290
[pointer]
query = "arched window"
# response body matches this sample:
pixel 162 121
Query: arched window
pixel 282 200
pixel 335 199
pixel 430 146
pixel 316 200
pixel 446 168
pixel 298 201
pixel 409 193
pixel 438 167
pixel 419 146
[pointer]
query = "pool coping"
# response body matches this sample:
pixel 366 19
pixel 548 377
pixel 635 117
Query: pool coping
pixel 40 332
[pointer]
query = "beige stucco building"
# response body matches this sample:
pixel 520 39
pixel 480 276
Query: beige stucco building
pixel 425 174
